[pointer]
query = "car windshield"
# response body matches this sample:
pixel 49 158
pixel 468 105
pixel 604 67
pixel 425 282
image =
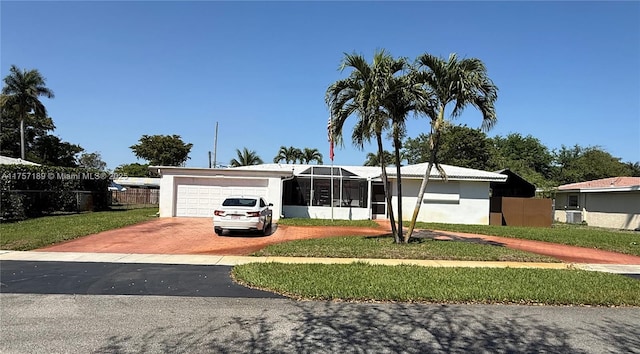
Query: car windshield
pixel 242 202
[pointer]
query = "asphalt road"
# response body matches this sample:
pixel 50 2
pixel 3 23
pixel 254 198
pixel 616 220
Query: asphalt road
pixel 89 278
pixel 33 323
pixel 60 307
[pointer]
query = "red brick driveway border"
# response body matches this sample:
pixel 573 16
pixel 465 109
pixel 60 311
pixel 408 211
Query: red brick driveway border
pixel 196 236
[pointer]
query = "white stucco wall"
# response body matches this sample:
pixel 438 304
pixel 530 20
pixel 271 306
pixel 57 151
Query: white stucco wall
pixel 618 210
pixel 454 202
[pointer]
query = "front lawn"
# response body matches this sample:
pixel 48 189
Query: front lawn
pixel 621 241
pixel 383 247
pixel 39 232
pixel 405 283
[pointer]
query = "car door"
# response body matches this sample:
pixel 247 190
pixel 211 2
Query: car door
pixel 265 212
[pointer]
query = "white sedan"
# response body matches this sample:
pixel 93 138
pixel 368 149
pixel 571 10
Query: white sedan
pixel 243 213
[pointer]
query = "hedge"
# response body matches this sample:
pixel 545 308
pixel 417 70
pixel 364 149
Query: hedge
pixel 28 191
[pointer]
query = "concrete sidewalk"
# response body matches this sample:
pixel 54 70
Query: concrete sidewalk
pixel 235 260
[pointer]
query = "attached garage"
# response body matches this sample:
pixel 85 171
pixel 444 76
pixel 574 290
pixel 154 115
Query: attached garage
pixel 198 197
pixel 196 192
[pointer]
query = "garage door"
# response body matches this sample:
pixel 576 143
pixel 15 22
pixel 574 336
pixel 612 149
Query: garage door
pixel 198 197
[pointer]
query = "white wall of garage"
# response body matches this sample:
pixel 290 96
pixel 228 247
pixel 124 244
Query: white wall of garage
pixel 200 196
pixel 191 192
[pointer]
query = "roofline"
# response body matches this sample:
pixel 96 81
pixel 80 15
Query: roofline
pixel 199 171
pixel 456 178
pixel 601 189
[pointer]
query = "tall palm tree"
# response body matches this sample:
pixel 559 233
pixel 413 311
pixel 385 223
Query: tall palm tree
pixel 22 90
pixel 288 154
pixel 308 155
pixel 462 82
pixel 404 96
pixel 362 94
pixel 245 157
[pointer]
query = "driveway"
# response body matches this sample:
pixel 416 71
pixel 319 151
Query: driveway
pixel 196 236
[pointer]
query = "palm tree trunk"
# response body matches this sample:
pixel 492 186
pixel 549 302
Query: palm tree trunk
pixel 22 149
pixel 397 143
pixel 387 192
pixel 437 128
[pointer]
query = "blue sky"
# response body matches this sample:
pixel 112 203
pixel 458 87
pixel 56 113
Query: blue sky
pixel 567 72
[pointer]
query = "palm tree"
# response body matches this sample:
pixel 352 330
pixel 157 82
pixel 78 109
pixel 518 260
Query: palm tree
pixel 288 154
pixel 245 157
pixel 373 158
pixel 21 92
pixel 462 82
pixel 308 155
pixel 405 96
pixel 363 94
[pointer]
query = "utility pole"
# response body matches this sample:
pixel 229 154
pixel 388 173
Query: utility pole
pixel 215 147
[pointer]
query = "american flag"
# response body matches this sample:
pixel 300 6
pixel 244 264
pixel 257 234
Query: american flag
pixel 330 134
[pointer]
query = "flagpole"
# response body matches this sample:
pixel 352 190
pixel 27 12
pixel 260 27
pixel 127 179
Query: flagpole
pixel 330 130
pixel 331 190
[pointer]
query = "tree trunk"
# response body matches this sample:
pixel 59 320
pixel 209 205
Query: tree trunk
pixel 22 149
pixel 437 128
pixel 387 192
pixel 397 143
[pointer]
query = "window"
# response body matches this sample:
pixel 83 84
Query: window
pixel 572 201
pixel 242 202
pixel 316 191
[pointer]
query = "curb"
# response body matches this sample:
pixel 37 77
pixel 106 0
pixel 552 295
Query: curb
pixel 6 255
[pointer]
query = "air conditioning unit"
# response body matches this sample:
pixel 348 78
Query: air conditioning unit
pixel 574 217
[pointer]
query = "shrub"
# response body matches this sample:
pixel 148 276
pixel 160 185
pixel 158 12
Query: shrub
pixel 31 191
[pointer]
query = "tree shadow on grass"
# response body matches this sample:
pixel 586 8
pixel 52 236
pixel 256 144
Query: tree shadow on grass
pixel 421 236
pixel 329 327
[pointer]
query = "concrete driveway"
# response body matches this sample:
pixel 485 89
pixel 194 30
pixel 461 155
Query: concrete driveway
pixel 196 236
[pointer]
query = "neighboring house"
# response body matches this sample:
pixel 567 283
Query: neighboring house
pixel 515 186
pixel 138 182
pixel 325 192
pixel 5 160
pixel 135 190
pixel 609 202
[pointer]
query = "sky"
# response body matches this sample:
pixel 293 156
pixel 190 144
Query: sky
pixel 567 72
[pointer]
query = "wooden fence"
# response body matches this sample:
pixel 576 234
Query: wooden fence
pixel 139 196
pixel 511 211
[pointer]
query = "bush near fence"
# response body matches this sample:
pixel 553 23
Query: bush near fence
pixel 28 191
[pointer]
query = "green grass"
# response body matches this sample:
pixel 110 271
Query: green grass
pixel 627 242
pixel 363 282
pixel 383 247
pixel 35 233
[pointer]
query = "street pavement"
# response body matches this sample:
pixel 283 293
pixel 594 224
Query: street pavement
pixel 131 303
pixel 33 323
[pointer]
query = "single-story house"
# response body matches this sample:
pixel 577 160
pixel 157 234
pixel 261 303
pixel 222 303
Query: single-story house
pixel 325 192
pixel 6 160
pixel 138 182
pixel 609 202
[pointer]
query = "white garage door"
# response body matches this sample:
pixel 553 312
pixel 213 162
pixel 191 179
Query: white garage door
pixel 200 196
